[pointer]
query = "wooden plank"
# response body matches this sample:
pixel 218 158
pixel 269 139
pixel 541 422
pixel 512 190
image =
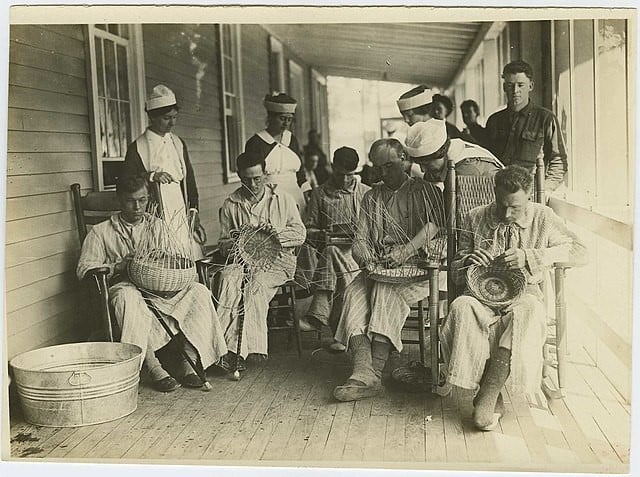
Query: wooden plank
pixel 23 141
pixel 337 438
pixel 453 430
pixel 577 440
pixel 532 434
pixel 31 206
pixel 273 378
pixel 435 444
pixel 478 448
pixel 45 80
pixel 394 450
pixel 28 273
pixel 303 427
pixel 28 98
pixel 32 120
pixel 22 297
pixel 35 336
pixel 239 412
pixel 26 439
pixel 511 444
pixel 37 184
pixel 50 60
pixel 32 250
pixel 72 31
pixel 34 227
pixel 415 429
pixel 301 389
pixel 280 417
pixel 38 312
pixel 47 40
pixel 374 438
pixel 319 432
pixel 354 446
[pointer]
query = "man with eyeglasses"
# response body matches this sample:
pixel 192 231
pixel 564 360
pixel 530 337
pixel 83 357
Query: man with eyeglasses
pixel 429 146
pixel 259 203
pixel 189 313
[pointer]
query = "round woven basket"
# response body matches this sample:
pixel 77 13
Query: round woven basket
pixel 257 246
pixel 162 274
pixel 496 288
pixel 407 273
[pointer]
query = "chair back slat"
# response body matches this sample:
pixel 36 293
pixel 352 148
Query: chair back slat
pixel 92 208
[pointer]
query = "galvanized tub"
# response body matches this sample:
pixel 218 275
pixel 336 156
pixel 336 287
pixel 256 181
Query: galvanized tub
pixel 78 384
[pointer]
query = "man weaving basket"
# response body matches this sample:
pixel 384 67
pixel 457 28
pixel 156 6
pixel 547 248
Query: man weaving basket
pixel 189 313
pixel 398 220
pixel 483 345
pixel 260 226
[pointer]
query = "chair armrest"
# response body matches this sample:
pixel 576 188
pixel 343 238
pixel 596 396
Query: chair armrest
pixel 563 265
pixel 98 271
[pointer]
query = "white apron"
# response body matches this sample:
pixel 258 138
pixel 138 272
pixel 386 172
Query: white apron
pixel 281 165
pixel 167 156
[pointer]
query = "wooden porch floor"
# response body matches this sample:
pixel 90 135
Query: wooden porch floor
pixel 283 412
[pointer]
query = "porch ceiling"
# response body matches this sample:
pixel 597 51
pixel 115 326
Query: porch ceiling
pixel 429 53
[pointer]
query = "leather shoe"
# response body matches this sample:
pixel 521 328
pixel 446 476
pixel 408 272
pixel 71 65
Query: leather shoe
pixel 191 381
pixel 166 385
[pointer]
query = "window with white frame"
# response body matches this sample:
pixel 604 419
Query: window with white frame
pixel 276 66
pixel 117 84
pixel 230 63
pixel 320 107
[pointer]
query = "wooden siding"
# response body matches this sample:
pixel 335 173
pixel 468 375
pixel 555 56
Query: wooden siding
pixel 255 65
pixel 48 148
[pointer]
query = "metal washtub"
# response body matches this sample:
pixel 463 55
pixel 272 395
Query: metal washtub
pixel 78 384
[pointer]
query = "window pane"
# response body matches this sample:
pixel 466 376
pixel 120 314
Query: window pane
pixel 123 74
pixel 102 114
pixel 125 126
pixel 100 67
pixel 113 28
pixel 110 68
pixel 611 94
pixel 113 139
pixel 110 172
pixel 229 86
pixel 101 26
pixel 226 40
pixel 124 31
pixel 232 141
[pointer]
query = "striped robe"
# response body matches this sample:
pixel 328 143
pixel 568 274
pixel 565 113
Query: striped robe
pixel 278 209
pixel 190 311
pixel 387 218
pixel 472 329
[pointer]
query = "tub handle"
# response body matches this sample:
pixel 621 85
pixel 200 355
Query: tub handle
pixel 79 379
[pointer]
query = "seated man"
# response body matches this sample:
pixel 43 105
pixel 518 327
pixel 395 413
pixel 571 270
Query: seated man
pixel 482 346
pixel 258 203
pixel 397 220
pixel 428 145
pixel 189 313
pixel 333 210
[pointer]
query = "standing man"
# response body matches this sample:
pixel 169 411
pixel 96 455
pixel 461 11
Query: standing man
pixel 524 131
pixel 333 211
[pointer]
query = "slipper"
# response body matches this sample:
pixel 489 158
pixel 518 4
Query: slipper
pixel 166 385
pixel 191 381
pixel 337 347
pixel 354 390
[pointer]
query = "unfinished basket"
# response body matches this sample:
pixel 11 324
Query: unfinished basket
pixel 160 272
pixel 257 246
pixel 495 287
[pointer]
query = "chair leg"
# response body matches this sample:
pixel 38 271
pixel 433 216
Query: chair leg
pixel 561 329
pixel 296 321
pixel 421 336
pixel 434 320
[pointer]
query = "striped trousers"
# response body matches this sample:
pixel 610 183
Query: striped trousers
pixel 259 289
pixel 472 330
pixel 374 307
pixel 190 311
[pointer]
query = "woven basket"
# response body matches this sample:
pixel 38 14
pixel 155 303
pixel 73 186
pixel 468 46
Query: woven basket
pixel 162 273
pixel 407 273
pixel 496 288
pixel 257 247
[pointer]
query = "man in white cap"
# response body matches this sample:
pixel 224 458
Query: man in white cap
pixel 163 158
pixel 428 145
